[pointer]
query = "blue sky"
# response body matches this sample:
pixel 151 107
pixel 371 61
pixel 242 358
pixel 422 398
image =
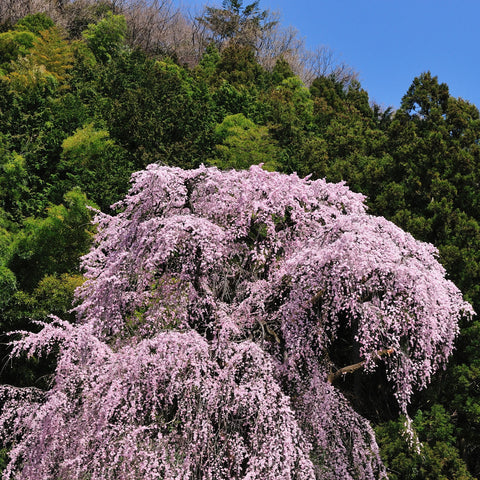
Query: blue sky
pixel 390 42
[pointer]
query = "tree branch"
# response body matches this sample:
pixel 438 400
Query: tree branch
pixel 316 297
pixel 356 366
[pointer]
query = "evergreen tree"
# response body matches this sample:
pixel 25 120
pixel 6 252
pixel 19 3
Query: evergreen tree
pixel 236 24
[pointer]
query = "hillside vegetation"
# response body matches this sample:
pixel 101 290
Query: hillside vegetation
pixel 92 91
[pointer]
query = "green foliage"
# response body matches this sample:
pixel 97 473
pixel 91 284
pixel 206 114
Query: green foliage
pixel 230 100
pixel 86 145
pixel 53 52
pixel 157 111
pixel 54 295
pixel 35 23
pixel 281 71
pixel 13 184
pixel 6 239
pixel 92 161
pixel 236 24
pixel 418 171
pixel 106 39
pixel 426 99
pixel 239 66
pixel 433 141
pixel 46 64
pixel 208 63
pixel 8 285
pixel 290 113
pixel 438 458
pixel 19 41
pixel 53 245
pixel 14 44
pixel 242 143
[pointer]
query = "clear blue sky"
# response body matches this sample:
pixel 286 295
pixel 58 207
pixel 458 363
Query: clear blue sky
pixel 390 42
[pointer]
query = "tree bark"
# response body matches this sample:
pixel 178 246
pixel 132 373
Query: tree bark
pixel 356 366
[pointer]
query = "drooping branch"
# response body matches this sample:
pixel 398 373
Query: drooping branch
pixel 356 366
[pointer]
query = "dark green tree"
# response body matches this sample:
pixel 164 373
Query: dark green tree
pixel 156 110
pixel 236 24
pixel 35 23
pixel 239 67
pixel 429 187
pixel 290 109
pixel 435 457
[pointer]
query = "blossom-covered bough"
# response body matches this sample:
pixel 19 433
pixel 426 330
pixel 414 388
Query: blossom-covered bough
pixel 205 330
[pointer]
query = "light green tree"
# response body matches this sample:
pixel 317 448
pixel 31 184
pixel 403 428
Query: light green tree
pixel 46 63
pixel 242 143
pixel 106 39
pixel 91 160
pixel 54 244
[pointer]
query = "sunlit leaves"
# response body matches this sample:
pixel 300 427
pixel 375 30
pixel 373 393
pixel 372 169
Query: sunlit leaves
pixel 91 160
pixel 242 143
pixel 106 38
pixel 46 64
pixel 52 245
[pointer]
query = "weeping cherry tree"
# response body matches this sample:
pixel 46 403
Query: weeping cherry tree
pixel 205 329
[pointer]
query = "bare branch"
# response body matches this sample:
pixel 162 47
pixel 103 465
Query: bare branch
pixel 356 366
pixel 323 62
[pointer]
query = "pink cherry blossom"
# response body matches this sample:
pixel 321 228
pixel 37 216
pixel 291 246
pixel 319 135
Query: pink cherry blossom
pixel 204 333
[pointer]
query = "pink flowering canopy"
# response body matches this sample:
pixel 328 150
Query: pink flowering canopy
pixel 205 329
